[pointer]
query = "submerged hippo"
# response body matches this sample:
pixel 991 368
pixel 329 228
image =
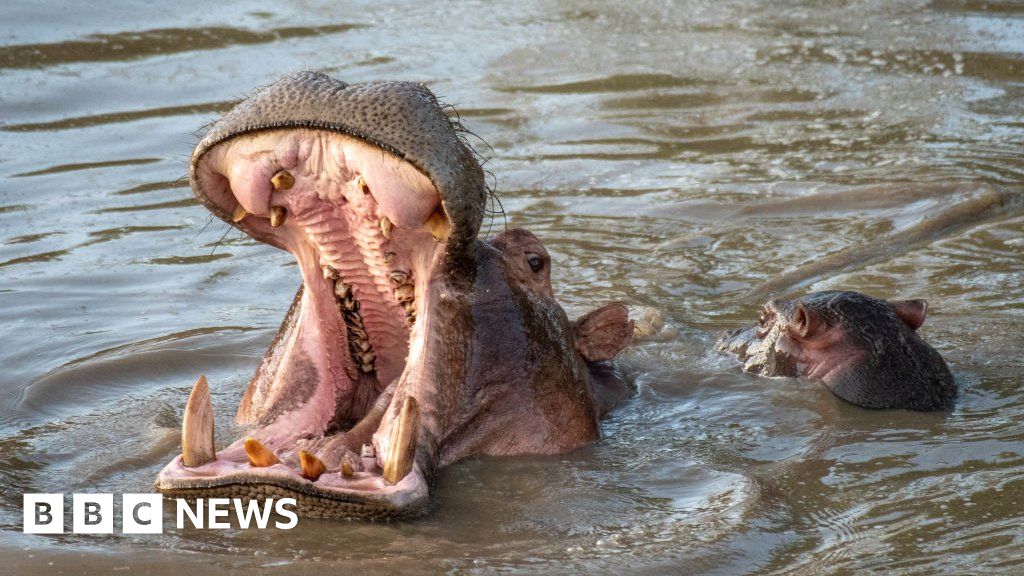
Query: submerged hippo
pixel 411 344
pixel 865 350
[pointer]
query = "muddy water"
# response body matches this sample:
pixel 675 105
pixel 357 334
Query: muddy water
pixel 676 156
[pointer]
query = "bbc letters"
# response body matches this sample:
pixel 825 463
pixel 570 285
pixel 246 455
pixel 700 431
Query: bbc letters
pixel 144 513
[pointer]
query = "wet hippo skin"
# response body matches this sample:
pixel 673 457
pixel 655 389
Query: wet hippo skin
pixel 865 350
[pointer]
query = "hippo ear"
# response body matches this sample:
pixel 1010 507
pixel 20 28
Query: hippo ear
pixel 602 333
pixel 911 311
pixel 805 323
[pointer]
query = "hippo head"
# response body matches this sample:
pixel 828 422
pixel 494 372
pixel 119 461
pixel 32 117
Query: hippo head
pixel 866 350
pixel 411 344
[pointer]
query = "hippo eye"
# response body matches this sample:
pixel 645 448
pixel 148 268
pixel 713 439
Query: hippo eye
pixel 535 261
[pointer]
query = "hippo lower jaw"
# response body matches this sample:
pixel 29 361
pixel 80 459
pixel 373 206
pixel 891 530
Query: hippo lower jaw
pixel 368 231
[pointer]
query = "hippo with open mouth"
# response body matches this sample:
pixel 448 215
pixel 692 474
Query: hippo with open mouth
pixel 411 344
pixel 865 350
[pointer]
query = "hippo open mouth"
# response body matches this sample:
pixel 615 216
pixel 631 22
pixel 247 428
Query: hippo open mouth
pixel 410 344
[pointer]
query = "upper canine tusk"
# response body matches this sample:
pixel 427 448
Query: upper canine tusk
pixel 197 427
pixel 437 225
pixel 239 214
pixel 277 215
pixel 386 226
pixel 282 180
pixel 259 455
pixel 402 444
pixel 312 467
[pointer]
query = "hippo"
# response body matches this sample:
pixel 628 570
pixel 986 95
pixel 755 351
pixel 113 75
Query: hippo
pixel 411 343
pixel 865 350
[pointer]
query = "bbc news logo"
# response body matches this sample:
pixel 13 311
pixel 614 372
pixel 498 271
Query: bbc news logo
pixel 144 513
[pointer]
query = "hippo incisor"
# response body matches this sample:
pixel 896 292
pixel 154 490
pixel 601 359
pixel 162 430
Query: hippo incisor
pixel 411 344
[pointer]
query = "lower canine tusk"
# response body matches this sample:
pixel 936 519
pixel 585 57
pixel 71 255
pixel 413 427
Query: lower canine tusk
pixel 197 427
pixel 277 215
pixel 259 455
pixel 312 467
pixel 239 214
pixel 402 445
